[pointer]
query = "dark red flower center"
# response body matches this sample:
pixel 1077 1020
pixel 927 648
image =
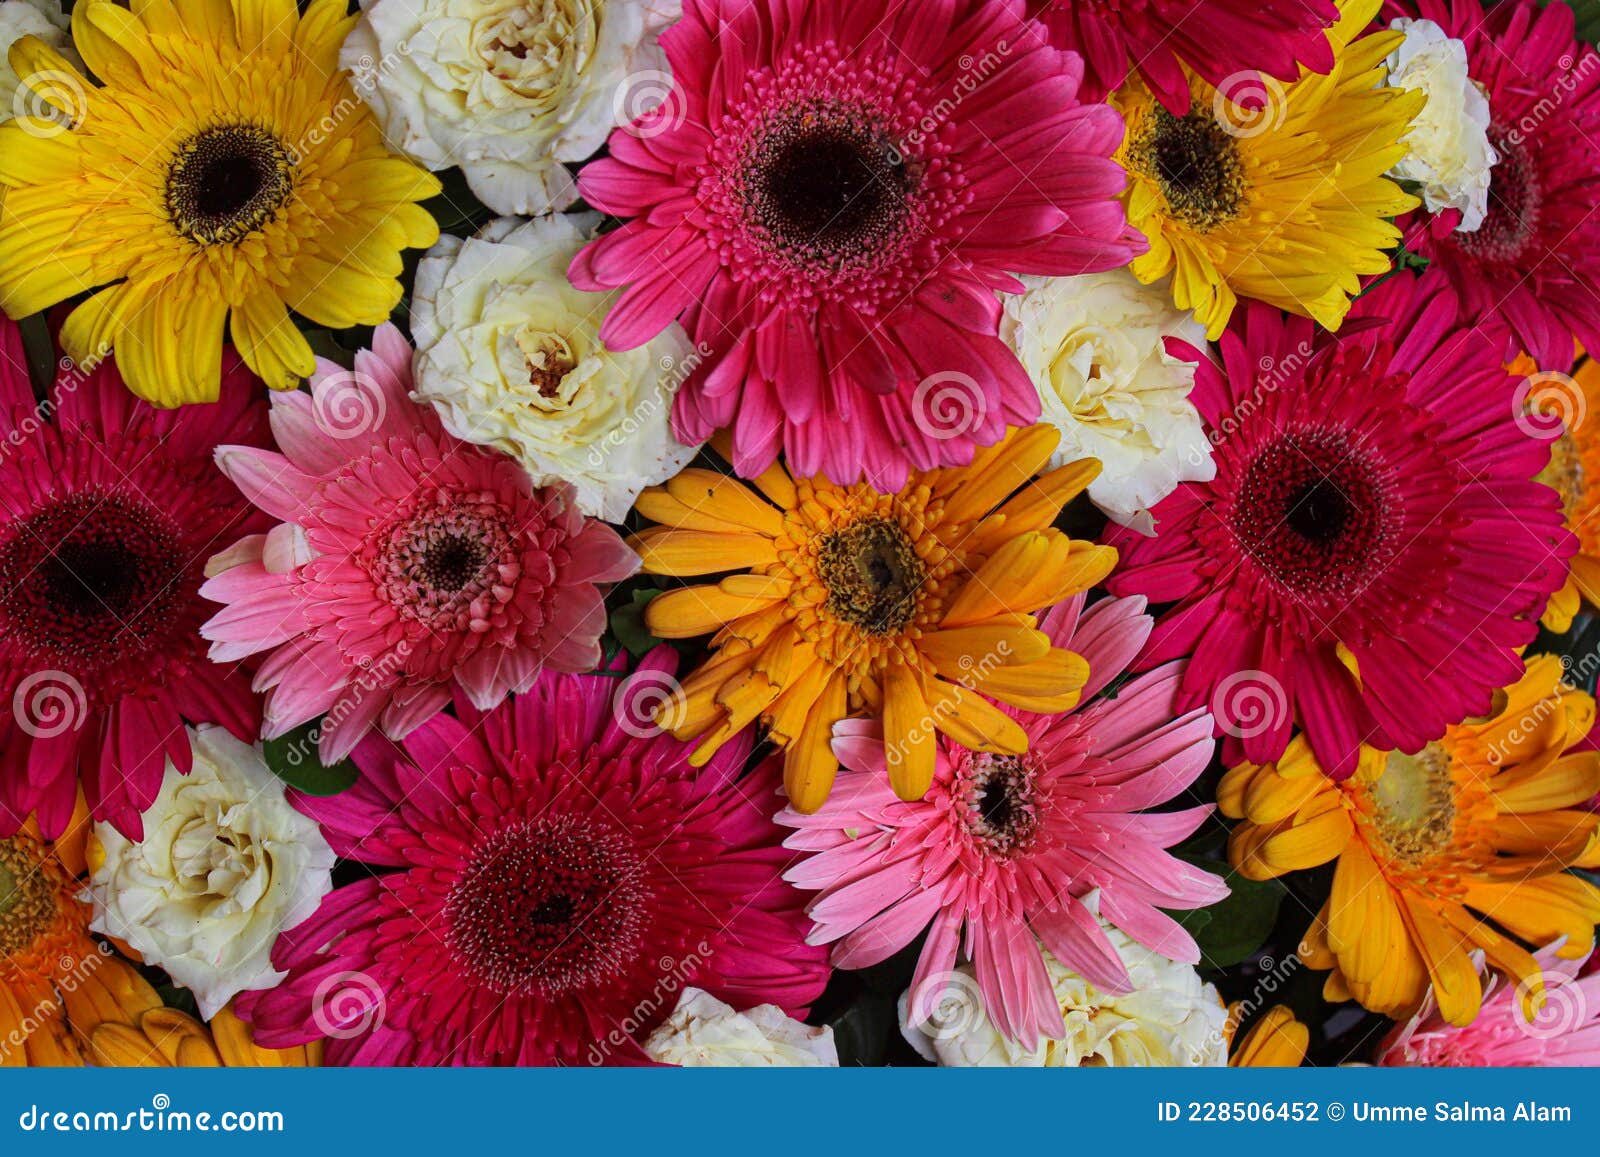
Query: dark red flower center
pixel 1315 514
pixel 1515 200
pixel 95 579
pixel 995 800
pixel 446 558
pixel 549 906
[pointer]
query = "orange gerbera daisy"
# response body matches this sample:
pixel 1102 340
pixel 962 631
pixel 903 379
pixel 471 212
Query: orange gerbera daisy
pixel 57 984
pixel 1574 473
pixel 911 606
pixel 169 1037
pixel 1436 853
pixel 1276 1041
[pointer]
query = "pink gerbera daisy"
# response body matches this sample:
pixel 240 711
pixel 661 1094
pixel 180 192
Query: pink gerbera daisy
pixel 556 873
pixel 406 563
pixel 1226 42
pixel 1373 549
pixel 108 512
pixel 1507 1032
pixel 1535 260
pixel 829 199
pixel 1021 850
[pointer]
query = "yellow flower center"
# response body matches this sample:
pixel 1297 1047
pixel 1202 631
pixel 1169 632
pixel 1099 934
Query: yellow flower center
pixel 27 898
pixel 1194 162
pixel 1574 462
pixel 872 573
pixel 227 182
pixel 1415 804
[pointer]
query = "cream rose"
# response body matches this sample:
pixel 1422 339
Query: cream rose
pixel 508 89
pixel 1095 348
pixel 1450 155
pixel 1170 1018
pixel 509 354
pixel 225 866
pixel 703 1032
pixel 44 19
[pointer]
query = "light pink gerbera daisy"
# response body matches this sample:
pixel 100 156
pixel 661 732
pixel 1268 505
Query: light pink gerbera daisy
pixel 109 509
pixel 406 563
pixel 1010 848
pixel 1564 1031
pixel 1226 42
pixel 553 873
pixel 1373 550
pixel 1535 260
pixel 829 199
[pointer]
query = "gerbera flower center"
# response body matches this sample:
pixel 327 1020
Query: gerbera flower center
pixel 1414 804
pixel 552 905
pixel 27 896
pixel 1196 164
pixel 828 187
pixel 1314 513
pixel 995 800
pixel 872 572
pixel 93 576
pixel 1515 201
pixel 226 182
pixel 445 557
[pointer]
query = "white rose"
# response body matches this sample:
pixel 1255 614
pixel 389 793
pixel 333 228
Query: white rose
pixel 225 866
pixel 702 1032
pixel 1095 348
pixel 1450 154
pixel 44 19
pixel 1170 1018
pixel 509 354
pixel 508 89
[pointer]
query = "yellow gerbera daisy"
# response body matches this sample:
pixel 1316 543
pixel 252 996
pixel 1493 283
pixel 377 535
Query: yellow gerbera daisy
pixel 910 606
pixel 168 1037
pixel 225 167
pixel 57 985
pixel 1287 204
pixel 1276 1041
pixel 1574 473
pixel 1436 853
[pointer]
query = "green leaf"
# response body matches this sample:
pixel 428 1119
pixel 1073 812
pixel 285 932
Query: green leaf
pixel 293 759
pixel 1233 929
pixel 1588 17
pixel 627 624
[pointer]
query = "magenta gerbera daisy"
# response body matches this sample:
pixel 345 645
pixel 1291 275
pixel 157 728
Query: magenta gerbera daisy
pixel 553 873
pixel 1535 260
pixel 1373 549
pixel 109 509
pixel 1006 853
pixel 829 199
pixel 405 564
pixel 1226 42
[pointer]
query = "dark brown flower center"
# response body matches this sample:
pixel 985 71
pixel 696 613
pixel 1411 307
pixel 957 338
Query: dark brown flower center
pixel 872 572
pixel 996 803
pixel 445 556
pixel 227 182
pixel 1195 162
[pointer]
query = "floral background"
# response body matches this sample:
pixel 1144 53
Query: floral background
pixel 955 532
